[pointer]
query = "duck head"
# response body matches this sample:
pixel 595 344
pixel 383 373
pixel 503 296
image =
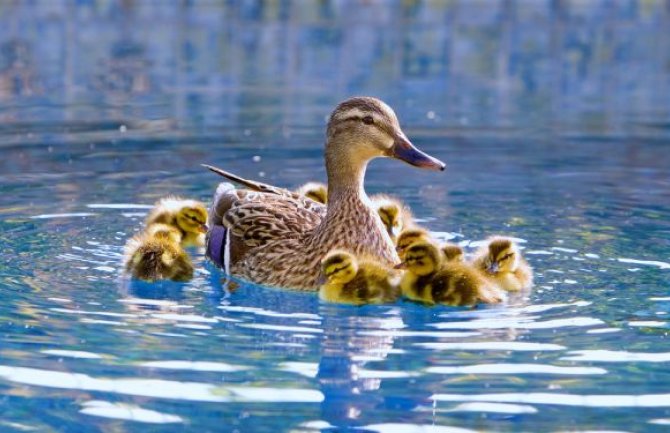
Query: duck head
pixel 363 128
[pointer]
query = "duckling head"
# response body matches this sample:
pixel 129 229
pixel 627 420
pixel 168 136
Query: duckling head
pixel 363 128
pixel 452 253
pixel 316 191
pixel 339 267
pixel 409 236
pixel 422 258
pixel 503 256
pixel 391 215
pixel 192 218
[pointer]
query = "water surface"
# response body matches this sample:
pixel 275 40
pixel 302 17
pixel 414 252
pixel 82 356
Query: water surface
pixel 551 116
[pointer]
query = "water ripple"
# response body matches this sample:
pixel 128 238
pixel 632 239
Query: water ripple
pixel 515 369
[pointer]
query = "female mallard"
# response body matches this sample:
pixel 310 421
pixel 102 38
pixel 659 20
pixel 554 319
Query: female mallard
pixel 276 237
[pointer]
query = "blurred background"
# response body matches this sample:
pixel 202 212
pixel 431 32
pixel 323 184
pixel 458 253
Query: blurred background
pixel 533 64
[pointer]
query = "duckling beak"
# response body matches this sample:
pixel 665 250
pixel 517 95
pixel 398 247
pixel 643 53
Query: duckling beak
pixel 493 268
pixel 322 280
pixel 404 150
pixel 401 265
pixel 203 228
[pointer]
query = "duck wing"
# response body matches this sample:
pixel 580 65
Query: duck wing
pixel 259 218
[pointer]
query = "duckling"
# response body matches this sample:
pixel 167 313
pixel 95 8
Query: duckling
pixel 409 236
pixel 393 213
pixel 157 255
pixel 452 252
pixel 349 280
pixel 317 191
pixel 501 261
pixel 189 216
pixel 432 279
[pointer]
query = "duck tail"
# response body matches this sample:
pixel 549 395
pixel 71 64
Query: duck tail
pixel 256 186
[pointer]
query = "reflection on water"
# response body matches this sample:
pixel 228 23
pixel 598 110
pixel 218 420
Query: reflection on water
pixel 551 115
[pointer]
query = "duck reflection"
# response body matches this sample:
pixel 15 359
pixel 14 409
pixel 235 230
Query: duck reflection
pixel 344 352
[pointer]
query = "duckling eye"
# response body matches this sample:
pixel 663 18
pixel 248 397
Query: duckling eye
pixel 368 120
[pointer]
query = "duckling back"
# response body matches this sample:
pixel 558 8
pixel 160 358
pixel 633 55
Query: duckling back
pixel 155 257
pixel 372 284
pixel 459 284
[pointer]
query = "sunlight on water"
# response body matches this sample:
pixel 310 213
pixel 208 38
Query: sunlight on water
pixel 552 118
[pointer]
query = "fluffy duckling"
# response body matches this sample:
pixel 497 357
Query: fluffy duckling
pixel 432 279
pixel 349 280
pixel 317 191
pixel 157 255
pixel 393 213
pixel 408 237
pixel 501 260
pixel 452 253
pixel 189 216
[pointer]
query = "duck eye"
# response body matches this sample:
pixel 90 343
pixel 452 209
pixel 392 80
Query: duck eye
pixel 368 120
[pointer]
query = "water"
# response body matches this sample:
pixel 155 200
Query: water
pixel 551 116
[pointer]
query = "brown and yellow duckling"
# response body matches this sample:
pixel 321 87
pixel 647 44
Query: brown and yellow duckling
pixel 317 191
pixel 188 216
pixel 408 237
pixel 350 280
pixel 501 261
pixel 157 255
pixel 393 213
pixel 432 279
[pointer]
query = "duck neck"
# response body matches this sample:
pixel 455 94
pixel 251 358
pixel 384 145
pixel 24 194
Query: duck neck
pixel 345 180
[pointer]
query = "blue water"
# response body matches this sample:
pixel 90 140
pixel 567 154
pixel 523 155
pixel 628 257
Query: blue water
pixel 553 118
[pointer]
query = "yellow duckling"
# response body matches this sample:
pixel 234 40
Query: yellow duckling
pixel 501 260
pixel 452 253
pixel 189 216
pixel 349 280
pixel 433 280
pixel 317 191
pixel 393 213
pixel 408 237
pixel 157 255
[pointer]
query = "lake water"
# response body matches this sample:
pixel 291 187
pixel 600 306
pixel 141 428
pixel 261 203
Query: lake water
pixel 552 117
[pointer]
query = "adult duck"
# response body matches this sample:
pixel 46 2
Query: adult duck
pixel 276 237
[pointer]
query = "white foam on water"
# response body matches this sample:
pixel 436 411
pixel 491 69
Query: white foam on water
pixel 268 313
pixel 660 421
pixel 603 330
pixel 664 298
pixel 194 366
pixel 662 265
pixel 307 369
pixel 515 369
pixel 385 374
pixel 62 215
pixel 431 334
pixel 493 407
pixel 157 388
pixel 604 400
pixel 282 328
pixel 127 412
pixel 616 356
pixel 184 317
pixel 519 323
pixel 492 345
pixel 564 250
pixel 73 354
pixel 414 428
pixel 648 324
pixel 538 253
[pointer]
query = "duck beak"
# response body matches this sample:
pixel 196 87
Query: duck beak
pixel 404 150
